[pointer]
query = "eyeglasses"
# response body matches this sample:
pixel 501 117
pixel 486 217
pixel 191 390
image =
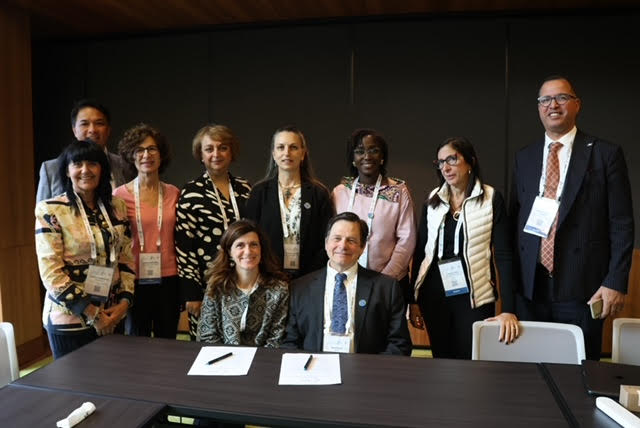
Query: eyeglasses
pixel 139 151
pixel 370 151
pixel 449 160
pixel 561 99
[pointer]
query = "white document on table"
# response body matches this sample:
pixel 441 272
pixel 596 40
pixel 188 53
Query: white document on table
pixel 324 369
pixel 235 365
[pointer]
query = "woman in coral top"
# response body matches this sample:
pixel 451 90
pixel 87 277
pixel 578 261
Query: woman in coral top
pixel 151 209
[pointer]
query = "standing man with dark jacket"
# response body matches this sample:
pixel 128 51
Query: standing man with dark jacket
pixel 89 121
pixel 571 204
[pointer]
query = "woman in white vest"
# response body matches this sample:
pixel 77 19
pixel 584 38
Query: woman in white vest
pixel 463 246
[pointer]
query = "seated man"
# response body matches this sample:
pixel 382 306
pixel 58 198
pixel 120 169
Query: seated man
pixel 345 307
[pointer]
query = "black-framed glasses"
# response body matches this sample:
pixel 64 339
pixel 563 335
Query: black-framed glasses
pixel 370 151
pixel 139 151
pixel 449 160
pixel 561 99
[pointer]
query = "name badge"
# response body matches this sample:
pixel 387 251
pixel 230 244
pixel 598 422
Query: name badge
pixel 453 278
pixel 543 213
pixel 98 282
pixel 336 343
pixel 150 271
pixel 292 256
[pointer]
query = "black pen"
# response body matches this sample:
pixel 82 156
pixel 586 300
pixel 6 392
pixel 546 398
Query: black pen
pixel 220 358
pixel 306 365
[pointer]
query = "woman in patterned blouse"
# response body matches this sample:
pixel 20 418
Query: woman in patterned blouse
pixel 83 245
pixel 390 217
pixel 291 205
pixel 246 300
pixel 207 206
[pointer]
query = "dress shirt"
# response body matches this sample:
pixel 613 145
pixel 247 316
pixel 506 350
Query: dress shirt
pixel 564 156
pixel 350 284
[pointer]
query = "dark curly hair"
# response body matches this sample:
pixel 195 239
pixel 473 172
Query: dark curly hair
pixel 221 275
pixel 79 151
pixel 133 137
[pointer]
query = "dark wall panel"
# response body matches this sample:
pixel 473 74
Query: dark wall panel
pixel 59 78
pixel 262 79
pixel 601 57
pixel 421 82
pixel 161 81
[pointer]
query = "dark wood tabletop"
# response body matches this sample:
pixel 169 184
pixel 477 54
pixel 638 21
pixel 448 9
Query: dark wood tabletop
pixel 568 380
pixel 376 390
pixel 29 407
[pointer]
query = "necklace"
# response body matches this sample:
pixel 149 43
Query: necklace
pixel 288 191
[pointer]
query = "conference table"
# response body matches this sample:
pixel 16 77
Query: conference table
pixel 376 390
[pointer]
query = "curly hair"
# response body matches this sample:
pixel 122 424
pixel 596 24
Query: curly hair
pixel 221 275
pixel 221 133
pixel 135 136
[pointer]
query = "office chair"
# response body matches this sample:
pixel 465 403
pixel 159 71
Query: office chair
pixel 9 370
pixel 538 342
pixel 626 341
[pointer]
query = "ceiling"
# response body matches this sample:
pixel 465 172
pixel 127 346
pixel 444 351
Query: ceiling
pixel 86 18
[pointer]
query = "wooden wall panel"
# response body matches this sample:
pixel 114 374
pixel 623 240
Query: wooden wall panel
pixel 19 286
pixel 631 303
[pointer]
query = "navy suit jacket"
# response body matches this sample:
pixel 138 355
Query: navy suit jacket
pixel 50 185
pixel 379 320
pixel 594 234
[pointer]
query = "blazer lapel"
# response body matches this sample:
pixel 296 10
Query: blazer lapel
pixel 305 211
pixel 315 304
pixel 364 285
pixel 580 154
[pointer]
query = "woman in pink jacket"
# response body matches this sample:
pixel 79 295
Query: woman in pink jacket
pixel 383 202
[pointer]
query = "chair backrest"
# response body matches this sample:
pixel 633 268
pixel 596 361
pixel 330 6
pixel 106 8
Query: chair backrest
pixel 539 342
pixel 9 370
pixel 626 341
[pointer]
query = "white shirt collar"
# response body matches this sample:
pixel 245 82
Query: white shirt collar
pixel 566 139
pixel 350 272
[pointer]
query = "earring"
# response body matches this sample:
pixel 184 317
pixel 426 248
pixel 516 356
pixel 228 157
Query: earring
pixel 353 163
pixel 382 162
pixel 232 263
pixel 469 172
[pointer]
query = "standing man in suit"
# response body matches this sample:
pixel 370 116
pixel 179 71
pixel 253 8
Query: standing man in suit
pixel 571 203
pixel 345 307
pixel 89 121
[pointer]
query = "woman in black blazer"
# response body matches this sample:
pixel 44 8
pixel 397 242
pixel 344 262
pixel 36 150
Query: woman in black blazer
pixel 291 205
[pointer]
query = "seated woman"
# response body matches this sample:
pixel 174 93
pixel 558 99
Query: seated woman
pixel 83 245
pixel 151 208
pixel 383 202
pixel 247 297
pixel 463 245
pixel 291 205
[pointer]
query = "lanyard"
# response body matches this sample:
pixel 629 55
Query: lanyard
pixel 287 229
pixel 456 238
pixel 87 226
pixel 563 176
pixel 136 192
pixel 234 204
pixel 372 207
pixel 243 320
